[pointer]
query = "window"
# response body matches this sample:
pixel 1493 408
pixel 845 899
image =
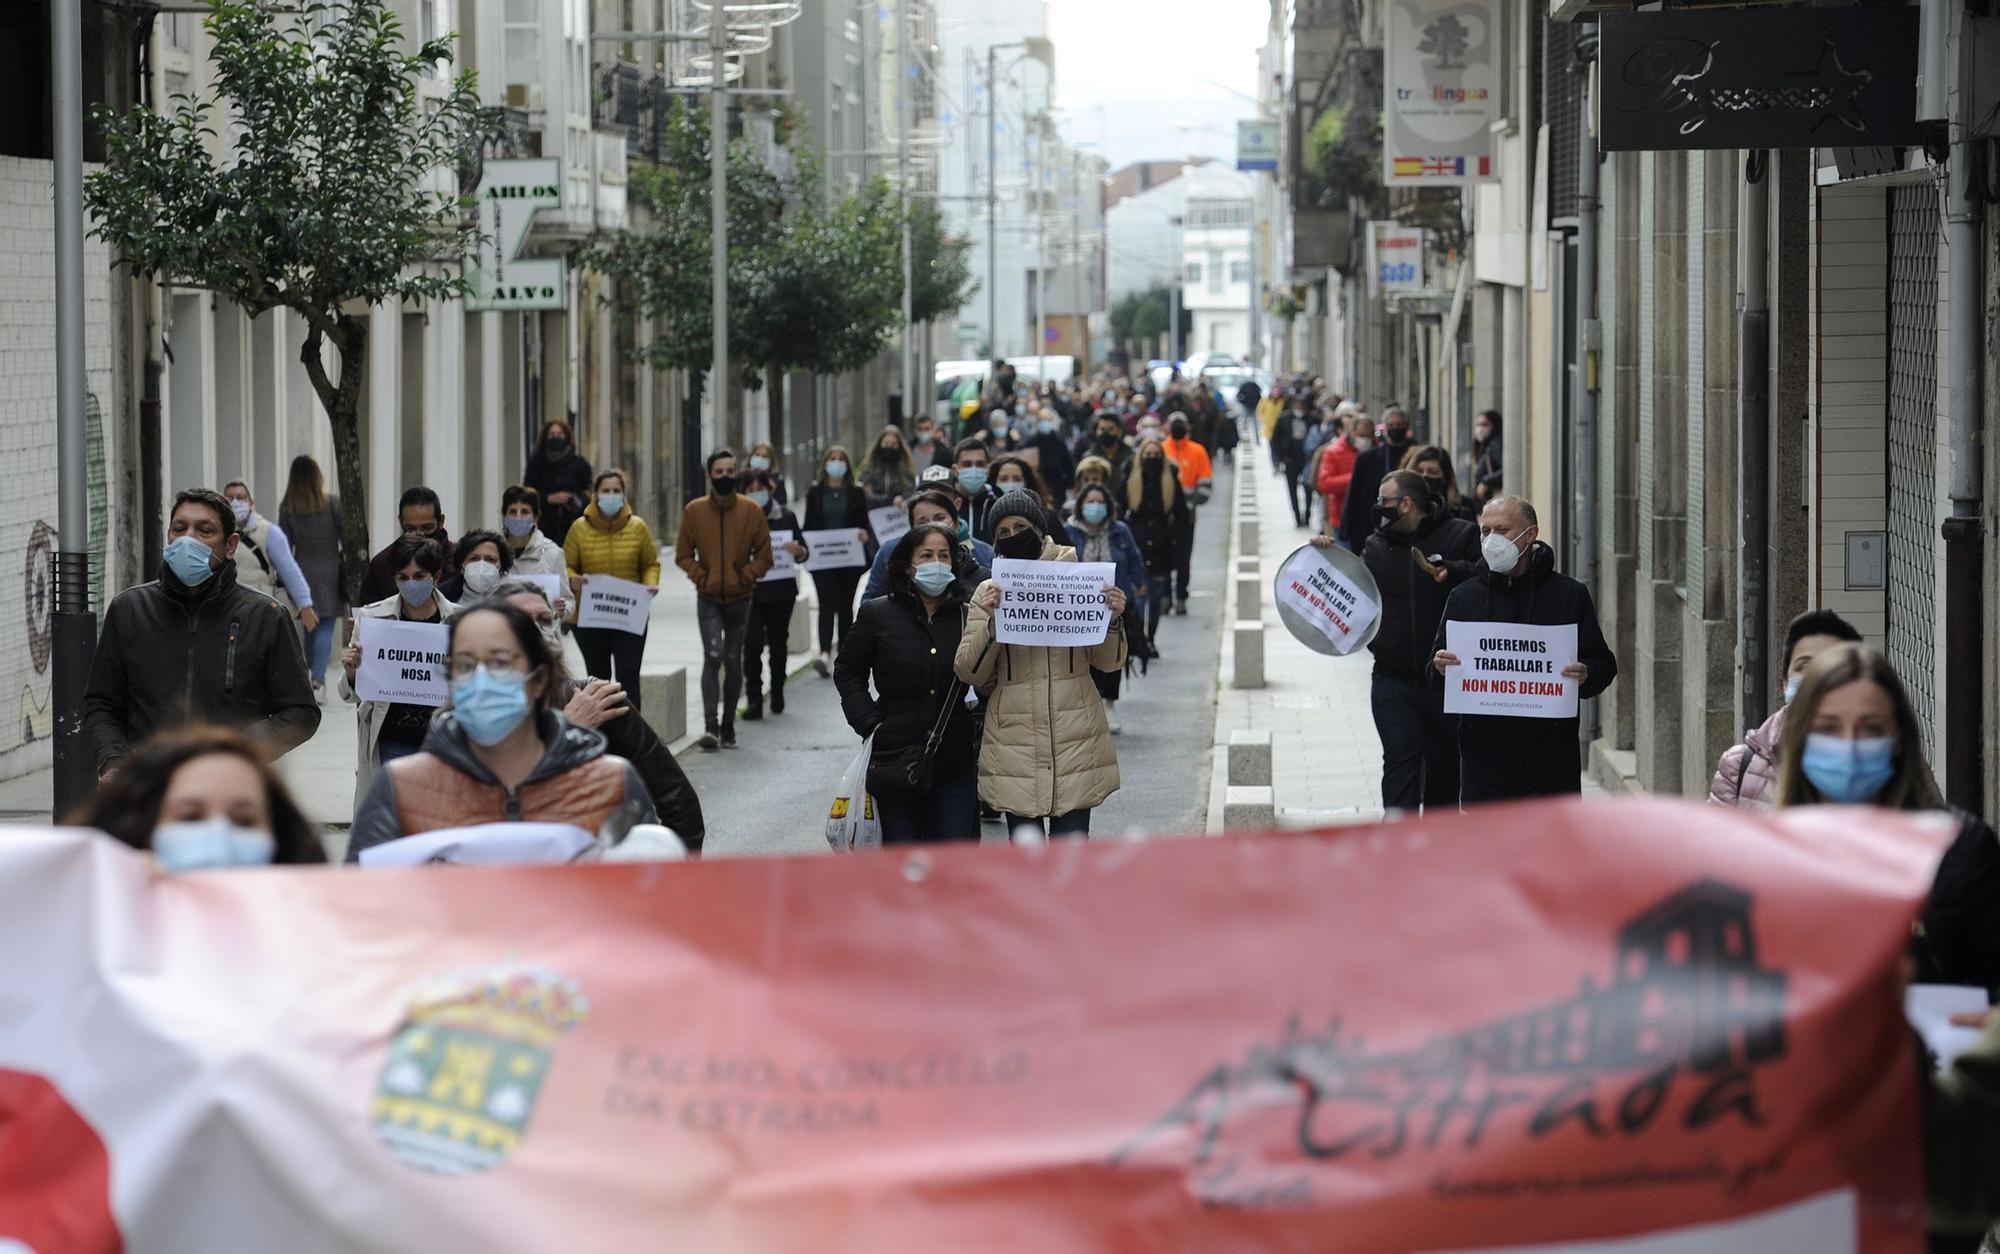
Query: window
pixel 1239 272
pixel 1215 272
pixel 1193 272
pixel 576 40
pixel 521 48
pixel 1217 213
pixel 181 28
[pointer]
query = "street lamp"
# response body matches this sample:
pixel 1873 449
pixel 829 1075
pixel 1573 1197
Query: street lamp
pixel 1033 48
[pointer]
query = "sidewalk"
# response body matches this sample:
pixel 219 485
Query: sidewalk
pixel 1326 759
pixel 321 772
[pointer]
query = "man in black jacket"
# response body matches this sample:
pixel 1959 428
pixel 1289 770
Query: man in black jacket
pixel 1357 518
pixel 1500 756
pixel 602 705
pixel 195 647
pixel 1418 554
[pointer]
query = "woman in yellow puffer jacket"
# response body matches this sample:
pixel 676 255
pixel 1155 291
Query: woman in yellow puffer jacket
pixel 1047 754
pixel 611 540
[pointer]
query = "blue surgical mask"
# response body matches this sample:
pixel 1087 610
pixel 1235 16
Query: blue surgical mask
pixel 611 504
pixel 1792 687
pixel 518 527
pixel 489 705
pixel 836 470
pixel 1018 485
pixel 190 560
pixel 762 498
pixel 759 462
pixel 206 844
pixel 1848 772
pixel 972 478
pixel 934 577
pixel 416 593
pixel 1095 512
pixel 1046 427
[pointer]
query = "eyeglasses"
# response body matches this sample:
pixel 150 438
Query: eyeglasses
pixel 462 665
pixel 421 531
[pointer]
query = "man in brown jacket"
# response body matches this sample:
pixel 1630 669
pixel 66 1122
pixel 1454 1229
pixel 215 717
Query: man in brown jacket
pixel 724 545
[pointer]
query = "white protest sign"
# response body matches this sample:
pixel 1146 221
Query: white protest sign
pixel 488 844
pixel 1510 668
pixel 783 565
pixel 836 548
pixel 402 662
pixel 889 524
pixel 618 604
pixel 554 585
pixel 1329 605
pixel 1052 603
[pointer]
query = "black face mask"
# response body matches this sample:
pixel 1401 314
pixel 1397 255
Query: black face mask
pixel 1178 432
pixel 723 485
pixel 1398 438
pixel 889 454
pixel 1386 516
pixel 557 447
pixel 1024 545
pixel 1107 438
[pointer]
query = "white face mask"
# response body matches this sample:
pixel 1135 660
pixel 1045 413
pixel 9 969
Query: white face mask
pixel 1792 687
pixel 206 844
pixel 481 575
pixel 1501 554
pixel 1363 443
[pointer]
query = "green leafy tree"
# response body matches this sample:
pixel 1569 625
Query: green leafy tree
pixel 311 176
pixel 1343 157
pixel 941 263
pixel 813 285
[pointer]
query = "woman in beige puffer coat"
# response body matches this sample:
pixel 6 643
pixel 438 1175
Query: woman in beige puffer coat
pixel 1047 753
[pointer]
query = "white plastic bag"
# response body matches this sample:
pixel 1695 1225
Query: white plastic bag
pixel 851 822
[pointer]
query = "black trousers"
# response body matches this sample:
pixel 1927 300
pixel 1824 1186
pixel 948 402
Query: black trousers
pixel 770 630
pixel 1298 492
pixel 1504 759
pixel 1419 743
pixel 836 603
pixel 604 649
pixel 1186 558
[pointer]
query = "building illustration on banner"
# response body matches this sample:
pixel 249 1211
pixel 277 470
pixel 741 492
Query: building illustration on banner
pixel 1688 1000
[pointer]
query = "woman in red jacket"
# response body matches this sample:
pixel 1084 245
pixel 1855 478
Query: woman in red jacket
pixel 1336 464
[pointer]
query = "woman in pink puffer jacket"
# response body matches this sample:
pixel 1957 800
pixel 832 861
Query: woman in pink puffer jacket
pixel 1747 775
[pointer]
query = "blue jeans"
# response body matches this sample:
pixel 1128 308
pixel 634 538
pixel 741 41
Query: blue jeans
pixel 319 648
pixel 949 811
pixel 387 751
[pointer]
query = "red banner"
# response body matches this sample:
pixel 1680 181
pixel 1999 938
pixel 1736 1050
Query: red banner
pixel 1562 1025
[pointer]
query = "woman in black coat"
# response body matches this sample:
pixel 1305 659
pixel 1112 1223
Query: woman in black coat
pixel 837 501
pixel 1156 511
pixel 905 642
pixel 559 472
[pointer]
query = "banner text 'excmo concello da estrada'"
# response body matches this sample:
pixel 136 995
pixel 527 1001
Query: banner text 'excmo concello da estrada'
pixel 1583 1026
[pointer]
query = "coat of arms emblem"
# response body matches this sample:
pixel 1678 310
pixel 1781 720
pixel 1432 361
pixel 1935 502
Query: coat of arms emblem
pixel 463 1073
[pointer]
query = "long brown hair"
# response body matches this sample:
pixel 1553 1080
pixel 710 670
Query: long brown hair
pixel 127 805
pixel 1135 481
pixel 1028 472
pixel 305 491
pixel 1911 787
pixel 853 471
pixel 1432 453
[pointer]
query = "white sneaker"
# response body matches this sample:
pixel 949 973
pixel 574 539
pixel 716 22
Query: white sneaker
pixel 1111 716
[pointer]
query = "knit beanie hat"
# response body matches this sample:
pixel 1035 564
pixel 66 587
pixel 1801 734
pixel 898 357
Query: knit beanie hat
pixel 1021 505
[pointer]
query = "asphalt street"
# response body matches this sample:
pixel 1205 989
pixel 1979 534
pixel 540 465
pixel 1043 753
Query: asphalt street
pixel 772 794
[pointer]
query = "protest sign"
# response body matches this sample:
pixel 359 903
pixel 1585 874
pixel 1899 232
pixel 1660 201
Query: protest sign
pixel 1510 668
pixel 836 548
pixel 783 564
pixel 1632 1024
pixel 889 524
pixel 555 587
pixel 1052 603
pixel 618 604
pixel 486 844
pixel 1327 599
pixel 402 662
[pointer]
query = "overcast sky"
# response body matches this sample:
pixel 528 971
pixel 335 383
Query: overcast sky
pixel 1129 74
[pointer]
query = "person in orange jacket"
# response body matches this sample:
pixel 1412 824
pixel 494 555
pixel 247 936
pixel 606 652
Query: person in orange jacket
pixel 1197 479
pixel 1336 464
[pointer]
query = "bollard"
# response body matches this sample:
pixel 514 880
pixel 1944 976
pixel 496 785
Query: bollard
pixel 663 692
pixel 1249 758
pixel 1248 809
pixel 1249 595
pixel 1249 656
pixel 1247 537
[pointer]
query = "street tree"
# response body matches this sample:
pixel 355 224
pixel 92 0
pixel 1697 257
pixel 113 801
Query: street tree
pixel 312 175
pixel 814 284
pixel 941 263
